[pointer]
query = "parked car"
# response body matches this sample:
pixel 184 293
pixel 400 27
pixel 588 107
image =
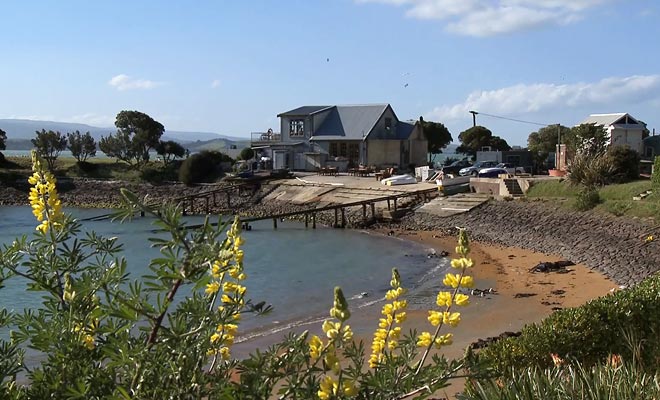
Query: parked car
pixel 456 166
pixel 478 166
pixel 492 172
pixel 510 168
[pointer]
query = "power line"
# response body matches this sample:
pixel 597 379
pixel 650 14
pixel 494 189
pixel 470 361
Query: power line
pixel 514 120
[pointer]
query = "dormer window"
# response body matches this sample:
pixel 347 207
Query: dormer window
pixel 297 127
pixel 388 123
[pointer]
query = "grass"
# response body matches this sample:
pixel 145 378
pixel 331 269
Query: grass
pixel 616 199
pixel 95 168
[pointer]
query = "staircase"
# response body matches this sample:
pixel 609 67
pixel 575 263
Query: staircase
pixel 513 187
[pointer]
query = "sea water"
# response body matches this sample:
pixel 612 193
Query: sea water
pixel 294 269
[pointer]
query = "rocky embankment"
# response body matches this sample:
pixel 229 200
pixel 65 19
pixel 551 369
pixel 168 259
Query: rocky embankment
pixel 612 245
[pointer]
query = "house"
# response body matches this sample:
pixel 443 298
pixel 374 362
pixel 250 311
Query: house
pixel 623 129
pixel 342 135
pixel 516 157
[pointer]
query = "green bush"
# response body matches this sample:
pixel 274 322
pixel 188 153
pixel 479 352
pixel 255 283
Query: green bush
pixel 625 164
pixel 202 167
pixel 656 173
pixel 618 208
pixel 587 333
pixel 586 199
pixel 573 381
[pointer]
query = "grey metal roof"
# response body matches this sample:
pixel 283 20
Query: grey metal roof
pixel 605 119
pixel 303 111
pixel 403 130
pixel 350 122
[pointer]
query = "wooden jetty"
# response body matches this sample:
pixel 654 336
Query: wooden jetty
pixel 340 209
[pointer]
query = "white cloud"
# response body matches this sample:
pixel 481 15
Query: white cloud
pixel 492 17
pixel 215 83
pixel 125 82
pixel 531 98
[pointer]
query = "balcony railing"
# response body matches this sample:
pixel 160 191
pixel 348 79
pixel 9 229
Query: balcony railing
pixel 265 137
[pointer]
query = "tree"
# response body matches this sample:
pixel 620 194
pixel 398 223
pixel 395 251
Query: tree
pixel 625 164
pixel 246 154
pixel 545 140
pixel 137 133
pixel 437 135
pixel 3 140
pixel 170 150
pixel 49 144
pixel 588 139
pixel 477 137
pixel 82 146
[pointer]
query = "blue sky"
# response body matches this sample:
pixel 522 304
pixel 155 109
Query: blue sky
pixel 231 66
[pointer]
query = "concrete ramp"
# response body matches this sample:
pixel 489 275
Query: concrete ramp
pixel 452 205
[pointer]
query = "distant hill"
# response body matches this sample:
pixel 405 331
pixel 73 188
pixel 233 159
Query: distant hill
pixel 17 129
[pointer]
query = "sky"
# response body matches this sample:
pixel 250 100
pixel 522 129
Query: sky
pixel 231 66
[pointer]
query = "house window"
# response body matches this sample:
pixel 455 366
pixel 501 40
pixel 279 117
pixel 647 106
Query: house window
pixel 297 127
pixel 333 150
pixel 342 150
pixel 388 123
pixel 353 152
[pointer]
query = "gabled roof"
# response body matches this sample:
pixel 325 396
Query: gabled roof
pixel 302 111
pixel 350 122
pixel 607 119
pixel 403 130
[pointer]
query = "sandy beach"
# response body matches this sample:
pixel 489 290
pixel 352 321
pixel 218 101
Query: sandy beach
pixel 520 297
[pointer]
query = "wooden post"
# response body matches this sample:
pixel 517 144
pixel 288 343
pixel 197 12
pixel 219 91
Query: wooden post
pixel 192 205
pixel 314 221
pixel 141 213
pixel 343 218
pixel 373 211
pixel 336 219
pixel 395 204
pixel 274 223
pixel 215 202
pixel 364 213
pixel 306 220
pixel 388 204
pixel 228 199
pixel 208 209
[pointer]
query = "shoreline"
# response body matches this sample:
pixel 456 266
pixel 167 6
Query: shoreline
pixel 519 297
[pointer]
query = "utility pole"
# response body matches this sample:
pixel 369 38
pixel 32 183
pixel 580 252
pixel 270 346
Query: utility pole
pixel 474 117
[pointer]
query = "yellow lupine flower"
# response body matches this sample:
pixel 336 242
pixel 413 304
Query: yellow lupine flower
pixel 212 288
pixel 463 262
pixel 88 342
pixel 327 388
pixel 435 317
pixel 315 347
pixel 424 339
pixel 400 317
pixel 462 299
pixel 443 299
pixel 451 318
pixel 350 389
pixel 388 309
pixel 444 340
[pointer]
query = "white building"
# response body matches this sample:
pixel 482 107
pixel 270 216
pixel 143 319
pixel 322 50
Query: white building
pixel 623 129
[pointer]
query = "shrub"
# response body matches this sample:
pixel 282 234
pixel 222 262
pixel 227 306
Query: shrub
pixel 201 167
pixel 618 207
pixel 613 380
pixel 590 170
pixel 655 179
pixel 625 164
pixel 586 199
pixel 587 333
pixel 246 154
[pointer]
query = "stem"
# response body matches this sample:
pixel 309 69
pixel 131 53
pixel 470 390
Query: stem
pixel 159 320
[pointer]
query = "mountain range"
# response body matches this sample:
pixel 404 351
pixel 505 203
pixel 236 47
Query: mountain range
pixel 25 129
pixel 20 131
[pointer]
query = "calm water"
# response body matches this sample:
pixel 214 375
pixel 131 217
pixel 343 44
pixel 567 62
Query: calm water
pixel 294 269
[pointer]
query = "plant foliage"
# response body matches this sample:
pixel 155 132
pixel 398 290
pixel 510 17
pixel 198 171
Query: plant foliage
pixel 170 150
pixel 82 146
pixel 477 137
pixel 137 133
pixel 48 145
pixel 437 136
pixel 201 167
pixel 655 178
